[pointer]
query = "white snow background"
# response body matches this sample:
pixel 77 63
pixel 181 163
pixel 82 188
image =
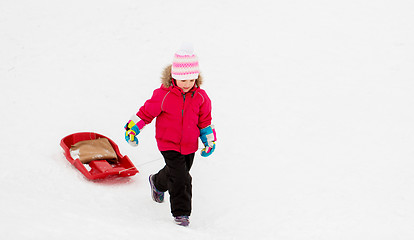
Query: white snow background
pixel 312 102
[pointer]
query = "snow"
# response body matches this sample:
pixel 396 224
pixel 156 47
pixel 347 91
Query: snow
pixel 74 153
pixel 312 106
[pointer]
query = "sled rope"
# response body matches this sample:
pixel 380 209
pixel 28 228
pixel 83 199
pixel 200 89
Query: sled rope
pixel 155 160
pixel 126 170
pixel 145 163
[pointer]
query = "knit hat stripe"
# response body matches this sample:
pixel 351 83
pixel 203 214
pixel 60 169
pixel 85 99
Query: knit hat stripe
pixel 185 73
pixel 185 59
pixel 184 55
pixel 185 70
pixel 185 64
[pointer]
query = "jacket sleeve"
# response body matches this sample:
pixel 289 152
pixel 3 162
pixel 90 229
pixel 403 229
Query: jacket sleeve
pixel 204 119
pixel 152 107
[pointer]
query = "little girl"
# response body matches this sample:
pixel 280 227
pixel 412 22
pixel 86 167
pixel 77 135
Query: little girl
pixel 183 112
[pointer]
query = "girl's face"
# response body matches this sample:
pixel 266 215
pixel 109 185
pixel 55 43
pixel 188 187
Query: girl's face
pixel 186 85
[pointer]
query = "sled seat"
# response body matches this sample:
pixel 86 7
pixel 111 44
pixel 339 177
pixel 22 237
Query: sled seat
pixel 103 166
pixel 100 165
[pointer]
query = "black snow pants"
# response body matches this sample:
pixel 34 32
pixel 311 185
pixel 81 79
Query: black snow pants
pixel 176 179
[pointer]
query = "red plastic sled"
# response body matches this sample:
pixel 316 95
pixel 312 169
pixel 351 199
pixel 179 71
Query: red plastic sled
pixel 99 168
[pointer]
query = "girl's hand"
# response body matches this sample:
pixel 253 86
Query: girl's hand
pixel 207 151
pixel 132 129
pixel 208 137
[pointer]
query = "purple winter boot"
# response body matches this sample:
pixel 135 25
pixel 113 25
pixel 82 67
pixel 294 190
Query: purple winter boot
pixel 157 196
pixel 182 220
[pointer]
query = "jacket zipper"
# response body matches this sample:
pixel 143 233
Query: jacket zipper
pixel 182 111
pixel 182 120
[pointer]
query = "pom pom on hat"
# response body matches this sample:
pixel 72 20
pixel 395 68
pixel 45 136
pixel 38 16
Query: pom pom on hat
pixel 185 63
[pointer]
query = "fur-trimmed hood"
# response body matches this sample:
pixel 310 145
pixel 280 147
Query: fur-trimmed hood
pixel 167 77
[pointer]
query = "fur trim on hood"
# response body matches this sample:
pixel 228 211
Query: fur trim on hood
pixel 166 78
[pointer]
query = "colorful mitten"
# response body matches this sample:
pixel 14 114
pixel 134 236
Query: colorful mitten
pixel 132 129
pixel 208 137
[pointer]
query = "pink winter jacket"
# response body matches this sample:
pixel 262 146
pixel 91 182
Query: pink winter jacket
pixel 179 117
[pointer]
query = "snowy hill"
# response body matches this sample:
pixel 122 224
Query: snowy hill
pixel 312 102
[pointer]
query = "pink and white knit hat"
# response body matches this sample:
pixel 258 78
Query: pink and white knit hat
pixel 185 63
